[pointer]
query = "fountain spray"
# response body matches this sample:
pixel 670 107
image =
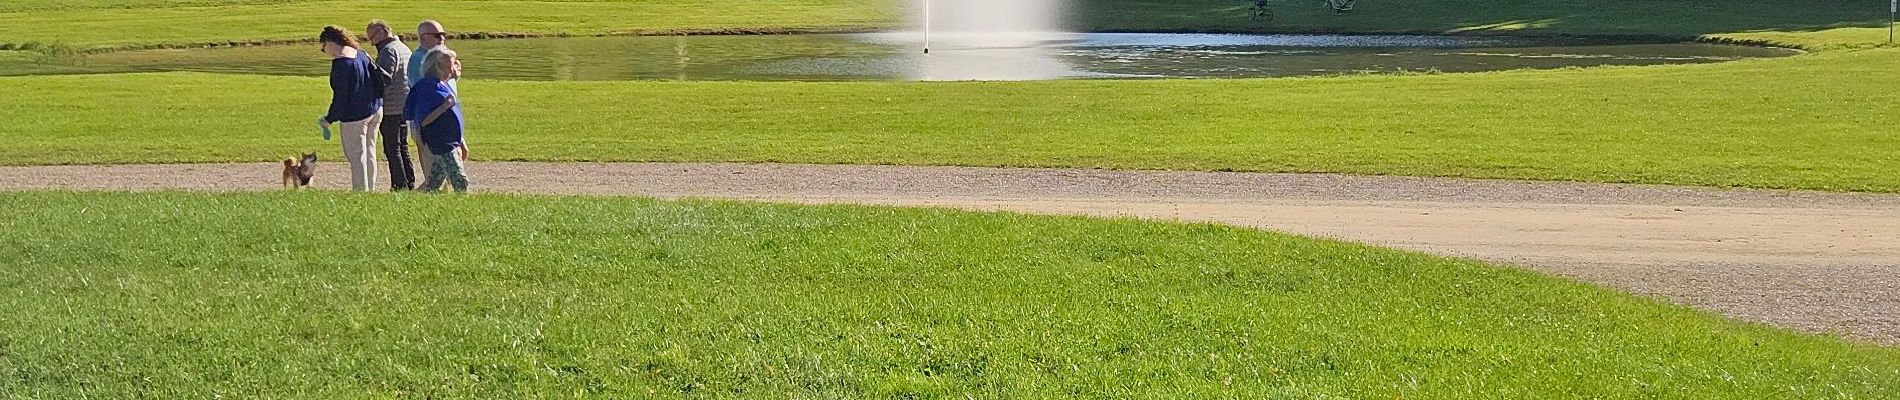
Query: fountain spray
pixel 927 26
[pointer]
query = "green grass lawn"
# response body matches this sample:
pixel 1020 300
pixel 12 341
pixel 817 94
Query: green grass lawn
pixel 138 23
pixel 1812 122
pixel 1679 18
pixel 280 295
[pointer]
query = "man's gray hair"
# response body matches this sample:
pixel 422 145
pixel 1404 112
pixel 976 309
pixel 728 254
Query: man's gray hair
pixel 429 23
pixel 377 24
pixel 438 60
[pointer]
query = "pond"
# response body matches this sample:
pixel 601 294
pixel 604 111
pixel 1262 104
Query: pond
pixel 899 56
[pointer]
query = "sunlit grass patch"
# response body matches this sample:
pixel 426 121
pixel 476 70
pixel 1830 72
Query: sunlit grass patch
pixel 321 295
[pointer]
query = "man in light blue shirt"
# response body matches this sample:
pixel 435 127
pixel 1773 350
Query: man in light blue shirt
pixel 430 37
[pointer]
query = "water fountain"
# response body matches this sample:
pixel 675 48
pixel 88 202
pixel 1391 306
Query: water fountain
pixel 989 19
pixel 988 39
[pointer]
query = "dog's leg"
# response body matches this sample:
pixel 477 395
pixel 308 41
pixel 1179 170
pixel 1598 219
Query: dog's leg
pixel 288 182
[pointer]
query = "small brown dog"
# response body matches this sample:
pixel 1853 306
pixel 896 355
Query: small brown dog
pixel 297 174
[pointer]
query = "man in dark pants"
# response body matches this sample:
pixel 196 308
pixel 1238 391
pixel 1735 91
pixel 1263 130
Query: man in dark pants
pixel 392 57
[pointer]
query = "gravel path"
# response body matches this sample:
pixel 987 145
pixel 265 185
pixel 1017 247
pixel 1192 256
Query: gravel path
pixel 1822 262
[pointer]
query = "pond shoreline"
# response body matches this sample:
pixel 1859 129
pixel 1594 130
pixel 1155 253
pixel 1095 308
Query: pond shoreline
pixel 59 48
pixel 889 56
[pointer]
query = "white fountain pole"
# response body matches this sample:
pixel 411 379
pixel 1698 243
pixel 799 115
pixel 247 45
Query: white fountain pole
pixel 927 26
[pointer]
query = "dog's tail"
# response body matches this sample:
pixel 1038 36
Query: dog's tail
pixel 289 162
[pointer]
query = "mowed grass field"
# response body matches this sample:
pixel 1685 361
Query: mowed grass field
pixel 331 295
pixel 1812 122
pixel 284 295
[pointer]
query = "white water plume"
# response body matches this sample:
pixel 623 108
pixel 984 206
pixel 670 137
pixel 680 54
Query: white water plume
pixel 988 17
pixel 987 39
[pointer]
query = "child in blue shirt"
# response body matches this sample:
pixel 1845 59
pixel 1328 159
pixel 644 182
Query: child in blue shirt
pixel 432 108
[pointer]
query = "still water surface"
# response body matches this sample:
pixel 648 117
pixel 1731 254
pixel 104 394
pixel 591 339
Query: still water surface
pixel 899 56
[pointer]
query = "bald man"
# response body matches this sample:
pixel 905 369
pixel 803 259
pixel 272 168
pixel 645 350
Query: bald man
pixel 430 36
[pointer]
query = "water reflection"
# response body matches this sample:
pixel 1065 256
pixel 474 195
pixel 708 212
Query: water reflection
pixel 982 56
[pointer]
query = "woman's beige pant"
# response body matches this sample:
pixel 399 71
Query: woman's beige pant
pixel 359 148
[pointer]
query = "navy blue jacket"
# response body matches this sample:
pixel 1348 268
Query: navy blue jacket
pixel 353 93
pixel 446 133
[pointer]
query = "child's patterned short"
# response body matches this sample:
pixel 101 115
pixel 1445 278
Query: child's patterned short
pixel 445 167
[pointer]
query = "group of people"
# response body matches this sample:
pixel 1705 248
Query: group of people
pixel 367 99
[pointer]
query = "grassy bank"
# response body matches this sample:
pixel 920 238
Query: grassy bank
pixel 1680 18
pixel 199 295
pixel 171 22
pixel 1812 122
pixel 139 23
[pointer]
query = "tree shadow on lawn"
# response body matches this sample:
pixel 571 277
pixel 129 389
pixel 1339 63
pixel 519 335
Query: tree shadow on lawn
pixel 1684 18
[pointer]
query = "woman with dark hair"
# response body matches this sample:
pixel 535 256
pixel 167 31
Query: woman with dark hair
pixel 356 102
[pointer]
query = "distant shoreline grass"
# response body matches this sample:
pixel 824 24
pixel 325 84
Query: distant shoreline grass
pixel 740 31
pixel 159 24
pixel 737 31
pixel 1785 22
pixel 283 295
